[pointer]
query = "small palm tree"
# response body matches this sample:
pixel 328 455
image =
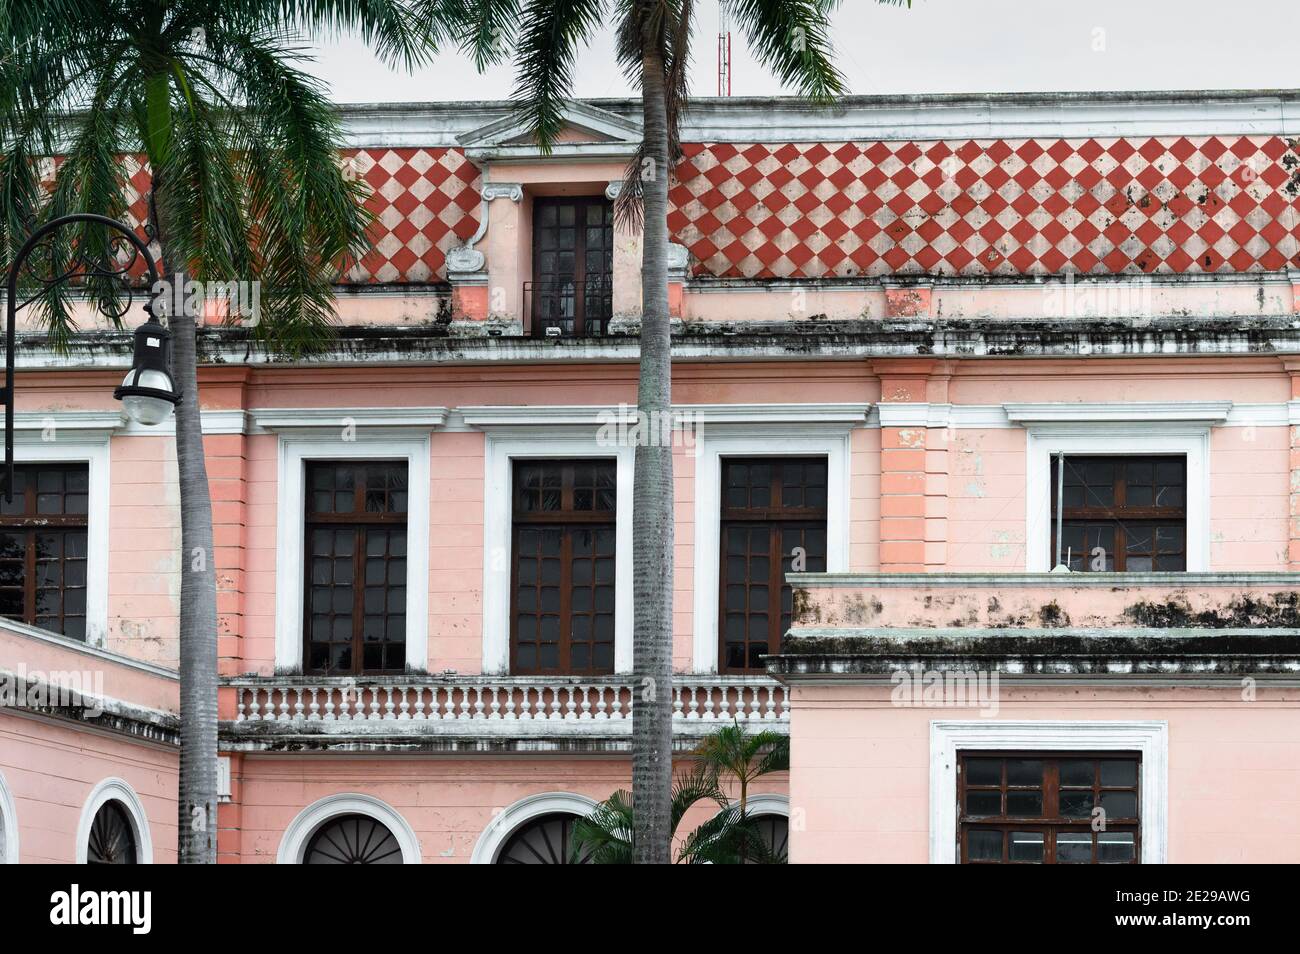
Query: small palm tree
pixel 242 147
pixel 730 757
pixel 654 49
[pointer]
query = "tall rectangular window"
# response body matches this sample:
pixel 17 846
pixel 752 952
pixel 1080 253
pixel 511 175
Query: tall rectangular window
pixel 1122 514
pixel 43 548
pixel 564 542
pixel 356 567
pixel 1048 808
pixel 573 262
pixel 773 521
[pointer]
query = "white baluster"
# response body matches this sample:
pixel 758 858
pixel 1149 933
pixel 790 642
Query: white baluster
pixel 555 703
pixel 464 702
pixel 419 701
pixel 677 703
pixel 709 714
pixel 374 703
pixel 404 709
pixel 693 707
pixel 239 697
pixel 494 710
pixel 313 710
pixel 510 703
pixel 525 715
pixel 601 714
pixel 299 695
pixel 586 704
pixel 329 703
pixel 284 704
pixel 754 713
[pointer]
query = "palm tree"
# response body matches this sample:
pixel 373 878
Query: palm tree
pixel 653 48
pixel 246 185
pixel 729 757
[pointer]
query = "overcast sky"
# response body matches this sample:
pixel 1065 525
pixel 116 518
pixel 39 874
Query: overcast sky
pixel 939 46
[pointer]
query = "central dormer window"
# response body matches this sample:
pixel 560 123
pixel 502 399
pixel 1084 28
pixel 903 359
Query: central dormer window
pixel 571 294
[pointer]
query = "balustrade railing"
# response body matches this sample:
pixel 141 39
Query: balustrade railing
pixel 695 700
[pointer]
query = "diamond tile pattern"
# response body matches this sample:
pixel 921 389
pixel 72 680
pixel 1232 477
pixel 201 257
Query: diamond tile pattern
pixel 425 201
pixel 989 207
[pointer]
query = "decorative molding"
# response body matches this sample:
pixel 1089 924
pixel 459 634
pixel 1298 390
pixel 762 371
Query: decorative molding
pixel 768 804
pixel 761 439
pixel 79 442
pixel 290 537
pixel 508 821
pixel 543 442
pixel 614 190
pixel 332 420
pixel 115 790
pixel 679 260
pixel 8 825
pixel 1171 437
pixel 1150 738
pixel 1199 412
pixel 466 258
pixel 895 117
pixel 294 841
pixel 1108 581
pixel 489 416
pixel 513 191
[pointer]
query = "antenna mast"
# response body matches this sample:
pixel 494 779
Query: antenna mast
pixel 724 49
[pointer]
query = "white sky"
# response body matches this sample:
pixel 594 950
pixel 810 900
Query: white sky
pixel 939 46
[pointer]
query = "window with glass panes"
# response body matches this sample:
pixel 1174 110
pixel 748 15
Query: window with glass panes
pixel 1122 514
pixel 773 513
pixel 43 548
pixel 1049 808
pixel 356 567
pixel 564 542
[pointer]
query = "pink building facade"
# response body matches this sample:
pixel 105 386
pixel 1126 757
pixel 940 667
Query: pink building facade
pixel 926 350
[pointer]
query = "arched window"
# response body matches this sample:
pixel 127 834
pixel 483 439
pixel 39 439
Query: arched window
pixel 774 829
pixel 112 837
pixel 349 829
pixel 544 840
pixel 114 829
pixel 352 840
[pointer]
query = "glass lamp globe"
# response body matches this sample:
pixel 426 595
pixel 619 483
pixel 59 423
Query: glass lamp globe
pixel 145 408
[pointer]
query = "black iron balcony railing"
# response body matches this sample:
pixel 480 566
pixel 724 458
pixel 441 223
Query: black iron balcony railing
pixel 579 308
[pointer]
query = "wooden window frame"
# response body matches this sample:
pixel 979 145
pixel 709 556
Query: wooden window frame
pixel 1119 512
pixel 30 523
pixel 780 518
pixel 359 520
pixel 1050 822
pixel 581 275
pixel 567 519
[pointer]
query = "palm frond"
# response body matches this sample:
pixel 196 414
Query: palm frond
pixel 545 58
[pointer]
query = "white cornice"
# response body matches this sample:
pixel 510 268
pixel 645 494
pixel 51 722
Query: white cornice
pixel 318 419
pixel 1197 412
pixel 594 414
pixel 924 117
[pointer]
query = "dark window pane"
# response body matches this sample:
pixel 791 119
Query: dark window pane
pixel 984 845
pixel 1025 846
pixel 1073 847
pixel 1116 847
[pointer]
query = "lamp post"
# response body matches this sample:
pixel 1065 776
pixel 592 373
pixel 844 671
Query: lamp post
pixel 148 393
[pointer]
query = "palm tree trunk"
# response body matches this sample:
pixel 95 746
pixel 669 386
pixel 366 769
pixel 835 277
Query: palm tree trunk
pixel 652 499
pixel 197 804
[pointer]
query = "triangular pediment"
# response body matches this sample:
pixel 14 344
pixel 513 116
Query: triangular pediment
pixel 587 129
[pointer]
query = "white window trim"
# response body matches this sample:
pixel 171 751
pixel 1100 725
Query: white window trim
pixel 8 825
pixel 89 447
pixel 294 841
pixel 115 790
pixel 507 821
pixel 502 449
pixel 759 441
pixel 1042 442
pixel 947 739
pixel 290 550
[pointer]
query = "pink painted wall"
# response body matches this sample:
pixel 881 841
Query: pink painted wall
pixel 50 769
pixel 448 803
pixel 860 769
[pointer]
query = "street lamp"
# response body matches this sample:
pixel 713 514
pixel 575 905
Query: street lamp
pixel 148 392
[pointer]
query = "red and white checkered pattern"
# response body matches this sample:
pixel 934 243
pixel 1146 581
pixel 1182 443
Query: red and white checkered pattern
pixel 989 207
pixel 425 201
